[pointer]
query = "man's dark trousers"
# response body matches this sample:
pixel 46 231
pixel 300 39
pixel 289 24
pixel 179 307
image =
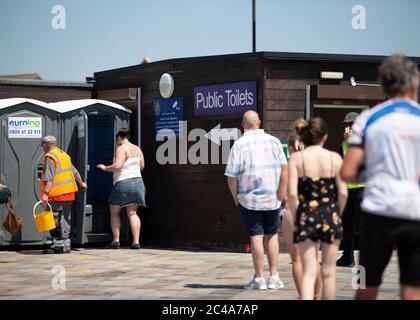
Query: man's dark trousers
pixel 351 223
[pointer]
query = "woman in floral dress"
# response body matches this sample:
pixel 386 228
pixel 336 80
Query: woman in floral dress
pixel 316 196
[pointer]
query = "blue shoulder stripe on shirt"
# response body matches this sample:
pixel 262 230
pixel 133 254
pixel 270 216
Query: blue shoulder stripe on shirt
pixel 395 107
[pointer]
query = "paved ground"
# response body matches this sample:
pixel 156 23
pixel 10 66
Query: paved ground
pixel 152 274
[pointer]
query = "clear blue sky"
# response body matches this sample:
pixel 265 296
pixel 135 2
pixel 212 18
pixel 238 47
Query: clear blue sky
pixel 106 34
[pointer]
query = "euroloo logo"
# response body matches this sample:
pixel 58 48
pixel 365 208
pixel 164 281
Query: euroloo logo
pixel 24 122
pixel 24 127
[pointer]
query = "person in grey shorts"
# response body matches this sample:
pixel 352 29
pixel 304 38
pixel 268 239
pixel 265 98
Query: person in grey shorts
pixel 128 190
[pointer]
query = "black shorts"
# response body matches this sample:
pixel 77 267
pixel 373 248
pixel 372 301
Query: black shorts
pixel 379 236
pixel 260 222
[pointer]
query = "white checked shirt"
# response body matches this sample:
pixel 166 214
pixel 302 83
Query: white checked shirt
pixel 256 160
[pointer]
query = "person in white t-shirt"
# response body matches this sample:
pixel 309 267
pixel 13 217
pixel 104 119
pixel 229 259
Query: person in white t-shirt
pixel 384 151
pixel 128 190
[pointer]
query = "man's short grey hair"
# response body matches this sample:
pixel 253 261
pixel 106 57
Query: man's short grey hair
pixel 397 73
pixel 49 140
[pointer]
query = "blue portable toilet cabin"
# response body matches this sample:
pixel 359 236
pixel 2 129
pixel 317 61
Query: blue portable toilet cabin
pixel 88 132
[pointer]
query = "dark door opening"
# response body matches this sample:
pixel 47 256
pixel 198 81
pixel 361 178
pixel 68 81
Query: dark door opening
pixel 333 102
pixel 334 116
pixel 101 145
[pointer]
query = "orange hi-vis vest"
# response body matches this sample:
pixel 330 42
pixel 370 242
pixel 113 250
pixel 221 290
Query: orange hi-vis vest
pixel 64 181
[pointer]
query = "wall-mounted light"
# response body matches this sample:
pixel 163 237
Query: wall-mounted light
pixel 332 75
pixel 166 85
pixel 354 83
pixel 90 80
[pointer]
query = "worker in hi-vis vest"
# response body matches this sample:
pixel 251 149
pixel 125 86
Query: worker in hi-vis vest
pixel 352 211
pixel 58 187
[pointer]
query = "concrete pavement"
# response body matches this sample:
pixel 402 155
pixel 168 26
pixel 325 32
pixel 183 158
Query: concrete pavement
pixel 153 274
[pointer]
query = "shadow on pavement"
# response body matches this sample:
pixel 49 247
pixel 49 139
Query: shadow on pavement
pixel 212 286
pixel 37 252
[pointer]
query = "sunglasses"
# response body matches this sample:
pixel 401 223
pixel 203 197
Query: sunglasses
pixel 348 124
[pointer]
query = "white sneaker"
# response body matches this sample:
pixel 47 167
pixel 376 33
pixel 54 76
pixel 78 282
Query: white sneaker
pixel 256 284
pixel 275 282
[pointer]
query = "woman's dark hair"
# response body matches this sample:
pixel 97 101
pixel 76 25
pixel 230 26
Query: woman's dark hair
pixel 5 194
pixel 123 133
pixel 397 73
pixel 312 131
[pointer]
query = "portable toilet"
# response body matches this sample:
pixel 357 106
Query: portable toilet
pixel 88 133
pixel 24 123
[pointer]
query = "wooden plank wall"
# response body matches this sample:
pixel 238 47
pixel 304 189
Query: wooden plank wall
pixel 46 94
pixel 285 88
pixel 284 102
pixel 284 96
pixel 189 205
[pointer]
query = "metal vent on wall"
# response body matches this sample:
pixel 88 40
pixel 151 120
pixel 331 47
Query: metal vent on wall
pixel 104 121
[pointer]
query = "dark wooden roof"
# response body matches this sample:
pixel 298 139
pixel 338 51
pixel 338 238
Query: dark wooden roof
pixel 266 55
pixel 43 83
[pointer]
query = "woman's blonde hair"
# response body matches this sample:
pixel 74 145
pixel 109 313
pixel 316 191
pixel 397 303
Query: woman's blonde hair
pixel 295 143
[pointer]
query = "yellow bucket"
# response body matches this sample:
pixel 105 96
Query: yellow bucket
pixel 44 220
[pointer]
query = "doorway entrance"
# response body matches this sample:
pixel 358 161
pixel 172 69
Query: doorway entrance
pixel 334 116
pixel 333 102
pixel 101 146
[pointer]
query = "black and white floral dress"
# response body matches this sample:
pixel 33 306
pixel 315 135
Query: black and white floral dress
pixel 317 217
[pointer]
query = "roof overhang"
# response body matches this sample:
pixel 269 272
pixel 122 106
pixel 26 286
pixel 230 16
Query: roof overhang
pixel 5 103
pixel 71 105
pixel 62 106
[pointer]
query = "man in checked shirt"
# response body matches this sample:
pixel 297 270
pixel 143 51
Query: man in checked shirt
pixel 257 178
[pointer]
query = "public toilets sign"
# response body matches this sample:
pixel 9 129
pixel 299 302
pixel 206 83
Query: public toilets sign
pixel 24 127
pixel 226 98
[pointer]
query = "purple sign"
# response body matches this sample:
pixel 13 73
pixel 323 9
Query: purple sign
pixel 226 98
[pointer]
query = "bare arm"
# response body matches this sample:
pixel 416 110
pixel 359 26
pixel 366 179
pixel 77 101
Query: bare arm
pixel 48 186
pixel 282 190
pixel 48 177
pixel 79 178
pixel 292 186
pixel 233 187
pixel 341 185
pixel 120 158
pixel 352 162
pixel 142 164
